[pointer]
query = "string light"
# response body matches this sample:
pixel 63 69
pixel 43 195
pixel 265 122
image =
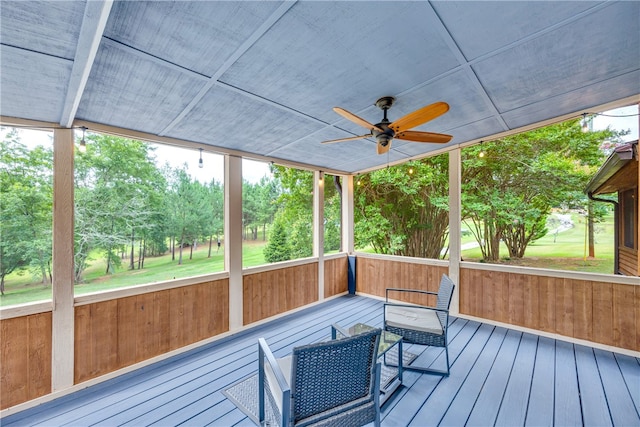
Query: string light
pixel 585 125
pixel 200 162
pixel 481 154
pixel 83 144
pixel 320 177
pixel 410 171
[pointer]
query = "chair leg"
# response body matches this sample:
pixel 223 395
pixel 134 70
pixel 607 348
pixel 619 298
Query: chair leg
pixel 443 372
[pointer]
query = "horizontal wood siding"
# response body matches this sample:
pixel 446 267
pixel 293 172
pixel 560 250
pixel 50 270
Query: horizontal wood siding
pixel 628 261
pixel 25 358
pixel 606 313
pixel 273 292
pixel 110 335
pixel 374 276
pixel 336 278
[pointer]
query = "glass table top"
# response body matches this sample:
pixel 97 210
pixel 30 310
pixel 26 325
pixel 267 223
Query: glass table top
pixel 387 339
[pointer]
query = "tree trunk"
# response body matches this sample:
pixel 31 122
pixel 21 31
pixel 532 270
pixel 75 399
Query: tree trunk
pixel 2 285
pixel 591 232
pixel 140 254
pixel 210 244
pixel 173 248
pixel 191 249
pixel 144 252
pixel 181 244
pixel 133 245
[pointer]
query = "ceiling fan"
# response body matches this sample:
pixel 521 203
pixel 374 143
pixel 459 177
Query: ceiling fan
pixel 385 131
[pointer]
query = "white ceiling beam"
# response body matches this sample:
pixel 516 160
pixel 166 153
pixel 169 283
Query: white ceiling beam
pixel 96 14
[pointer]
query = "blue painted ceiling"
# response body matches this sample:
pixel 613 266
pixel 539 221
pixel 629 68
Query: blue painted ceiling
pixel 261 78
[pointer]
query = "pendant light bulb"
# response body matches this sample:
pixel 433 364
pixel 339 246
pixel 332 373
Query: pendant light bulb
pixel 200 163
pixel 83 144
pixel 585 125
pixel 481 154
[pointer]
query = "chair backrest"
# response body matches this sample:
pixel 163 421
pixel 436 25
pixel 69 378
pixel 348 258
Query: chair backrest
pixel 333 373
pixel 445 292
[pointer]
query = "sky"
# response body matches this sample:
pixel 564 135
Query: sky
pixel 626 118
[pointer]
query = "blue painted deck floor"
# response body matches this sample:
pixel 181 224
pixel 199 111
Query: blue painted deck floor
pixel 498 377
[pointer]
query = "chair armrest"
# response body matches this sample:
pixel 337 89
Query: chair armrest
pixel 426 307
pixel 264 352
pixel 415 291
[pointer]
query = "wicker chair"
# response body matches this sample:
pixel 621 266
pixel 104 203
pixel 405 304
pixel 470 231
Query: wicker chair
pixel 333 383
pixel 421 324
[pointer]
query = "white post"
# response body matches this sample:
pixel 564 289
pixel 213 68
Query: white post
pixel 347 214
pixel 62 334
pixel 318 228
pixel 233 237
pixel 455 219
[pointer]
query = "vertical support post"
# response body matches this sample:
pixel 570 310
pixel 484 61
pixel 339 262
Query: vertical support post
pixel 455 218
pixel 347 214
pixel 63 333
pixel 318 228
pixel 233 237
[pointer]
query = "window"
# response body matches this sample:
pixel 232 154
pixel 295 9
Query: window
pixel 26 197
pixel 629 218
pixel 332 213
pixel 145 213
pixel 277 212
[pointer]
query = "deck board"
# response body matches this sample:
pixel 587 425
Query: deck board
pixel 498 377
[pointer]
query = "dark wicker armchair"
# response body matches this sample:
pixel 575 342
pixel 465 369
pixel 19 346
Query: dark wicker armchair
pixel 421 324
pixel 333 383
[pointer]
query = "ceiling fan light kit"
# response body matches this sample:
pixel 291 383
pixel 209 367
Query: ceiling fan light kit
pixel 385 131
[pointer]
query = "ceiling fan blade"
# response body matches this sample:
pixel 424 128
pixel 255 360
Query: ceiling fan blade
pixel 420 116
pixel 383 148
pixel 355 119
pixel 413 135
pixel 352 138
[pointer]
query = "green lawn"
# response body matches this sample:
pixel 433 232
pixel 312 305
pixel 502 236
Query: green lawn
pixel 565 251
pixel 19 288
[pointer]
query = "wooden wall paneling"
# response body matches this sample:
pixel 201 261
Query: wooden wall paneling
pixel 487 306
pixel 220 298
pixel 624 323
pixel 602 297
pixel 127 335
pixel 14 380
pixel 83 363
pixel 582 309
pixel 517 304
pixel 531 297
pixel 26 346
pixel 39 355
pixel 547 304
pixel 336 276
pixel 178 327
pixel 163 321
pixel 564 307
pixel 464 288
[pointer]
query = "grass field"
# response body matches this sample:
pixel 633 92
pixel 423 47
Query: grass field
pixel 19 288
pixel 565 251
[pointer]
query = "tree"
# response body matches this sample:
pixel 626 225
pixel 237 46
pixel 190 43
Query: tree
pixel 278 248
pixel 403 210
pixel 119 199
pixel 295 204
pixel 25 208
pixel 508 194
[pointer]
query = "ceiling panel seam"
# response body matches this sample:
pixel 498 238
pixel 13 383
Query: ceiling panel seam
pixel 23 49
pixel 250 41
pixel 147 56
pixel 96 14
pixel 580 90
pixel 538 33
pixel 473 77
